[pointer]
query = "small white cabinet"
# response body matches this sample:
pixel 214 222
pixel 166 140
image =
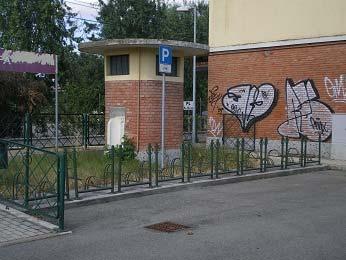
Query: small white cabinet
pixel 339 137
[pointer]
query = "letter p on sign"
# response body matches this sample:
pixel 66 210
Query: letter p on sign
pixel 165 58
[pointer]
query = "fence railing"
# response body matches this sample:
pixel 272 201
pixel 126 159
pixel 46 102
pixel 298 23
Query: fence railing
pixel 33 179
pixel 113 172
pixel 39 129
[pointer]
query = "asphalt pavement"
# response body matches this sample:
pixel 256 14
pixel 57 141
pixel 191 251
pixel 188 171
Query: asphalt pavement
pixel 295 217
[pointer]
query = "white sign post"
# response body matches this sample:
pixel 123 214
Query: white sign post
pixel 165 66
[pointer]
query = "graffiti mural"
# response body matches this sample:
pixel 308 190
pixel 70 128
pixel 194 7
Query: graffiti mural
pixel 336 88
pixel 250 103
pixel 215 128
pixel 306 114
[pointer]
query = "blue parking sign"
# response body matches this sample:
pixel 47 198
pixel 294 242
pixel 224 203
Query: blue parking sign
pixel 165 57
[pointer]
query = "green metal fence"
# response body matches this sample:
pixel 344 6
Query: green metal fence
pixel 39 129
pixel 108 170
pixel 33 179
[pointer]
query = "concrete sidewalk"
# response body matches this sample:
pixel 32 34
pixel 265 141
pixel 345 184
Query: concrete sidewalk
pixel 17 227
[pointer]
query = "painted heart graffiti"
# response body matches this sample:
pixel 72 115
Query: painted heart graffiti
pixel 250 103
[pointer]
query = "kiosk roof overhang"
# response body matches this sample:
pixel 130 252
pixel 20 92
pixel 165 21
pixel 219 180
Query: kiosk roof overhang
pixel 101 47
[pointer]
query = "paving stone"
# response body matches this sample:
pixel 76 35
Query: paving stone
pixel 14 228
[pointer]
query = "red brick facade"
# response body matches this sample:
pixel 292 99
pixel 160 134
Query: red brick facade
pixel 321 65
pixel 125 94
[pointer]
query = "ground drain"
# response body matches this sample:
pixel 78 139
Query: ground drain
pixel 168 227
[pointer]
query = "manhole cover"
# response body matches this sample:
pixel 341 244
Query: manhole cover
pixel 167 227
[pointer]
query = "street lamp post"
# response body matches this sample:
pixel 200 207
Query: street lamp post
pixel 188 9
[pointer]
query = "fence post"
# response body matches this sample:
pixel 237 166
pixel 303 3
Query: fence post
pixel 301 151
pixel 217 159
pixel 282 152
pixel 150 169
pixel 286 155
pixel 237 157
pixel 75 176
pixel 3 156
pixel 85 130
pixel 182 162
pixel 67 181
pixel 189 162
pixel 212 159
pixel 261 155
pixel 61 191
pixel 26 177
pixel 156 165
pixel 113 168
pixel 27 129
pixel 242 156
pixel 319 149
pixel 305 148
pixel 120 158
pixel 265 154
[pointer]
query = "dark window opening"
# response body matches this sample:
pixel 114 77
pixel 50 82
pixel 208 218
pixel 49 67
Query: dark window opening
pixel 119 65
pixel 174 67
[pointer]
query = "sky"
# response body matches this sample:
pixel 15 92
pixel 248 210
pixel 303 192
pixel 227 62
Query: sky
pixel 87 9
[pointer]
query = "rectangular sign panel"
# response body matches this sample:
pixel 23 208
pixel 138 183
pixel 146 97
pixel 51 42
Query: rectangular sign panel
pixel 22 61
pixel 188 105
pixel 165 57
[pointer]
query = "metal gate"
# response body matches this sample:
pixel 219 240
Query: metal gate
pixel 33 180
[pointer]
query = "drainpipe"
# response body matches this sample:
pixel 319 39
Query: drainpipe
pixel 139 97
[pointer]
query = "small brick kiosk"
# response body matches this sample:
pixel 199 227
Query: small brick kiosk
pixel 134 86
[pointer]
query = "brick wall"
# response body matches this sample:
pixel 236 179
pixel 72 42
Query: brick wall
pixel 317 76
pixel 125 94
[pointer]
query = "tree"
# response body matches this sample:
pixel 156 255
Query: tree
pixel 84 90
pixel 37 26
pixel 131 18
pixel 48 26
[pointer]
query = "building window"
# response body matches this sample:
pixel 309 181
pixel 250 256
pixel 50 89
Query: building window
pixel 174 67
pixel 119 65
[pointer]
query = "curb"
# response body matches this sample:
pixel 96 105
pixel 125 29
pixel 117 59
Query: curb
pixel 200 183
pixel 34 238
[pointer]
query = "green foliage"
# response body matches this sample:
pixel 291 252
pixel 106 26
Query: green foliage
pixel 21 94
pixel 131 18
pixel 35 25
pixel 47 26
pixel 83 91
pixel 128 149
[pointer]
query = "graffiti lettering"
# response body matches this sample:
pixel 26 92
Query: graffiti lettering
pixel 214 97
pixel 336 89
pixel 250 103
pixel 318 125
pixel 215 128
pixel 306 114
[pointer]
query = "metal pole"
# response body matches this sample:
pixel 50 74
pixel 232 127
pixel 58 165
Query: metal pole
pixel 56 103
pixel 163 119
pixel 194 78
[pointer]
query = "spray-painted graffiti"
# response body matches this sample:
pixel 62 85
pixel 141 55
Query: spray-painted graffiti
pixel 215 128
pixel 306 114
pixel 214 97
pixel 336 89
pixel 250 103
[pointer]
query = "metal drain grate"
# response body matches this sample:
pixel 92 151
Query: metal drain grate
pixel 168 227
